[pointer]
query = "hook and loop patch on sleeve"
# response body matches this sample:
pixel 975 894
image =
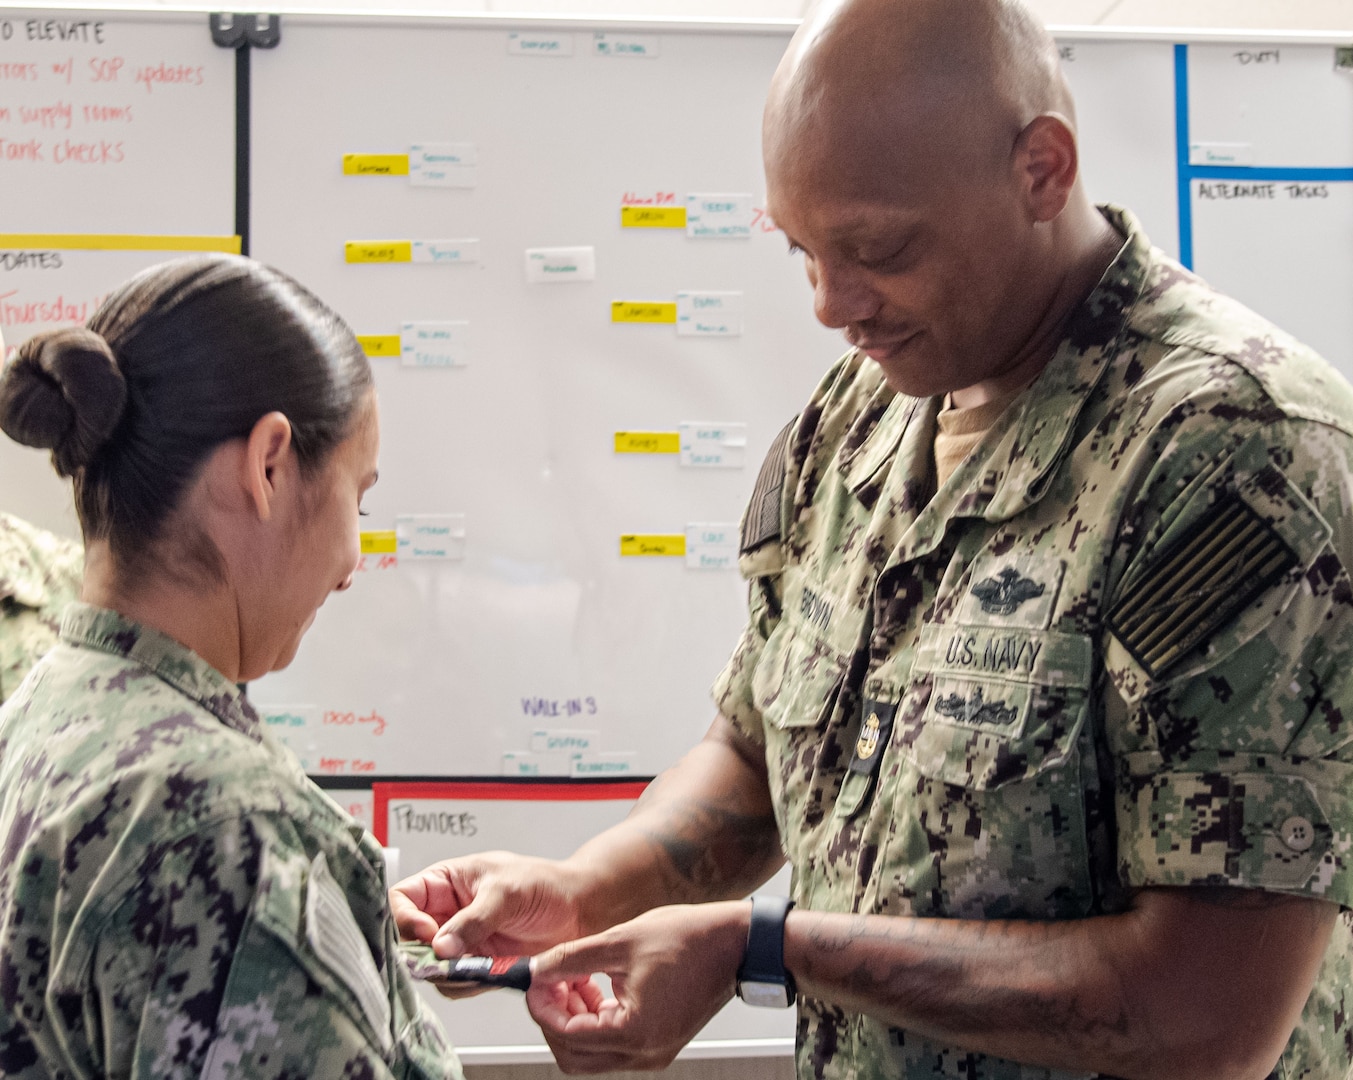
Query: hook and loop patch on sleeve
pixel 339 944
pixel 1202 582
pixel 762 521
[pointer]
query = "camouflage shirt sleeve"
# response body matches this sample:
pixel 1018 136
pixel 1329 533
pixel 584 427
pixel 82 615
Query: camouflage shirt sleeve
pixel 1229 646
pixel 733 690
pixel 236 955
pixel 40 574
pixel 760 560
pixel 797 460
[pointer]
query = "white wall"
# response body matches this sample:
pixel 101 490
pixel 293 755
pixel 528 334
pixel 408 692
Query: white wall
pixel 1226 14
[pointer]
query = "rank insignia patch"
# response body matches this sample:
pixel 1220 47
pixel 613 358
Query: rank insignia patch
pixel 1198 585
pixel 874 734
pixel 1004 593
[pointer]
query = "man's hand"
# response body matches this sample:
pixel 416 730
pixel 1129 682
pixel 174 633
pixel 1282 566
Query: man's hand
pixel 704 830
pixel 495 904
pixel 671 970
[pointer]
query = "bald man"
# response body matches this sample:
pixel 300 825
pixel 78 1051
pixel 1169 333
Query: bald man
pixel 1044 682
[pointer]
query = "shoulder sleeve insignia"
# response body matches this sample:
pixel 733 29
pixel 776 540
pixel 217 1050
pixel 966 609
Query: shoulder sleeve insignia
pixel 762 520
pixel 1198 585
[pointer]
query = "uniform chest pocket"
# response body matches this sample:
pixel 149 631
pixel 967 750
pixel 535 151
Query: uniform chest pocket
pixel 987 707
pixel 797 678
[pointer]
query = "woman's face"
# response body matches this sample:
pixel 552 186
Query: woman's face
pixel 316 551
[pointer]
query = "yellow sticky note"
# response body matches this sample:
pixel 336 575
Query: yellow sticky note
pixel 648 442
pixel 383 542
pixel 118 242
pixel 653 545
pixel 379 344
pixel 641 311
pixel 375 164
pixel 368 251
pixel 652 217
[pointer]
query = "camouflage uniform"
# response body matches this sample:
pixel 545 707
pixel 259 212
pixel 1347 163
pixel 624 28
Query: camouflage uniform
pixel 39 575
pixel 1112 651
pixel 177 899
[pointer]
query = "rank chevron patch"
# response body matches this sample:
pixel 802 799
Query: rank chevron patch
pixel 1200 583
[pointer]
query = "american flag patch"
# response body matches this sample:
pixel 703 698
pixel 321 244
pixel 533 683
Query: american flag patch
pixel 1199 584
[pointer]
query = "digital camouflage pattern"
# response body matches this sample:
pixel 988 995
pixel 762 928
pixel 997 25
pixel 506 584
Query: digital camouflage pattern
pixel 39 575
pixel 951 728
pixel 177 899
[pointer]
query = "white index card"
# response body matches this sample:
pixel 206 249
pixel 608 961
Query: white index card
pixel 719 216
pixel 434 344
pixel 713 446
pixel 521 44
pixel 561 264
pixel 564 740
pixel 1216 153
pixel 616 763
pixel 520 763
pixel 643 45
pixel 444 165
pixel 430 536
pixel 712 546
pixel 445 252
pixel 709 314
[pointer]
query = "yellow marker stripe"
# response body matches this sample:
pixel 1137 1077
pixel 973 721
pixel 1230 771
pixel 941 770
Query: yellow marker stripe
pixel 384 542
pixel 118 242
pixel 652 217
pixel 378 251
pixel 639 311
pixel 379 344
pixel 648 442
pixel 375 164
pixel 674 544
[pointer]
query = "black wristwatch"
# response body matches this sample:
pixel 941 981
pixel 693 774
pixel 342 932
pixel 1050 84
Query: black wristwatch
pixel 762 978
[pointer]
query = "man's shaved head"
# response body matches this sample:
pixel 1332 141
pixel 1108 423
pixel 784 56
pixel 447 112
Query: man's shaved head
pixel 959 78
pixel 922 154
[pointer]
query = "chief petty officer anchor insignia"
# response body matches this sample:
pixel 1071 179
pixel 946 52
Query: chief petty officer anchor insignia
pixel 874 735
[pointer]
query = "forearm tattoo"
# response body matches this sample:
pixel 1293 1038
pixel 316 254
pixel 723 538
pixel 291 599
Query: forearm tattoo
pixel 709 851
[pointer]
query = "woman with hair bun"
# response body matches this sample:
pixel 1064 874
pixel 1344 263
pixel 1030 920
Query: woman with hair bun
pixel 177 899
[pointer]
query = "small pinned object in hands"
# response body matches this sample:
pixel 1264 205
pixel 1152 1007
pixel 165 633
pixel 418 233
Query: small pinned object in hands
pixel 466 971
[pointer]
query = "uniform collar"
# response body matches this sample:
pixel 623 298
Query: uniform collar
pixel 890 444
pixel 97 628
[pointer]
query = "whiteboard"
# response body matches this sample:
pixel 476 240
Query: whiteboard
pixel 1276 232
pixel 427 822
pixel 464 667
pixel 540 649
pixel 110 123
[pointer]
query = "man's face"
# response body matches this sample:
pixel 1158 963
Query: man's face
pixel 924 266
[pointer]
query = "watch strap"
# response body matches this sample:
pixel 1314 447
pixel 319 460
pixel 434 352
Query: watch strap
pixel 763 961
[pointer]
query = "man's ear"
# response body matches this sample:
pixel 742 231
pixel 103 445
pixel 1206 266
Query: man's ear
pixel 268 445
pixel 1048 162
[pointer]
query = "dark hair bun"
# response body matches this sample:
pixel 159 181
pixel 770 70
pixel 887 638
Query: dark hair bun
pixel 63 392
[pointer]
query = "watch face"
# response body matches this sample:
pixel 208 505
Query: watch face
pixel 766 995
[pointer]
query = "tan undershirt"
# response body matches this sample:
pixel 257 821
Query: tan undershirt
pixel 959 431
